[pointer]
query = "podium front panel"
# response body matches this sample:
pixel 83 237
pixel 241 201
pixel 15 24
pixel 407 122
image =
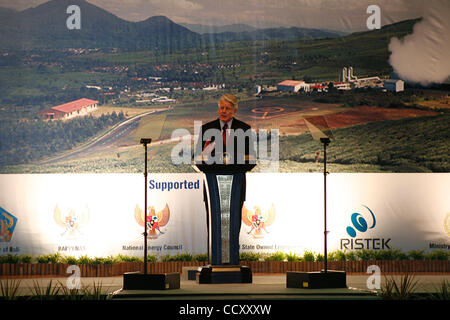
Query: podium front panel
pixel 224 197
pixel 224 183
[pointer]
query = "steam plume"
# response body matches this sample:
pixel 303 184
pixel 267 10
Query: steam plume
pixel 424 56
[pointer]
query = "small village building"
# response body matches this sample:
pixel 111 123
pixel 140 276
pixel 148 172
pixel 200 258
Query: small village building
pixel 70 110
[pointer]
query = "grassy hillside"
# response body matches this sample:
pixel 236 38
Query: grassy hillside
pixel 272 60
pixel 408 145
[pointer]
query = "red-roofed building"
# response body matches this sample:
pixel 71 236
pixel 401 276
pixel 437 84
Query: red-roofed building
pixel 292 86
pixel 69 110
pixel 319 87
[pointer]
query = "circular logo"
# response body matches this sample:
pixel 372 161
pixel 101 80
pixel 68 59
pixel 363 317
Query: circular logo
pixel 447 224
pixel 359 223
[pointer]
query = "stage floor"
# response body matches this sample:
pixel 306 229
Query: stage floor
pixel 264 286
pixel 254 291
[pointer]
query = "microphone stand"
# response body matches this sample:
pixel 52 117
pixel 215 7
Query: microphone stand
pixel 326 142
pixel 325 278
pixel 145 142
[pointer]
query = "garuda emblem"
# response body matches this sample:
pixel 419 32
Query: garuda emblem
pixel 258 220
pixel 71 221
pixel 155 220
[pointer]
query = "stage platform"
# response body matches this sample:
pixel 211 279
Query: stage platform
pixel 263 287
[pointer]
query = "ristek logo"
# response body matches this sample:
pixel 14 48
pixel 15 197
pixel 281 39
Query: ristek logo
pixel 360 225
pixel 7 225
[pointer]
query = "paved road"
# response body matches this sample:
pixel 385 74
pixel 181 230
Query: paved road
pixel 107 140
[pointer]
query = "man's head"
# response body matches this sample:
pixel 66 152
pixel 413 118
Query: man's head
pixel 228 105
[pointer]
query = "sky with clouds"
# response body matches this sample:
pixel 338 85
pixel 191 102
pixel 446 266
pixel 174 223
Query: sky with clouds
pixel 345 15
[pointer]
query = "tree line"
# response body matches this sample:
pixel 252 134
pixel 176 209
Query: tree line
pixel 25 141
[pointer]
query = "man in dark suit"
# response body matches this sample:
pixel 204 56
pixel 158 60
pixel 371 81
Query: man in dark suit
pixel 227 140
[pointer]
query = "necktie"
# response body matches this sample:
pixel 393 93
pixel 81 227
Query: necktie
pixel 224 134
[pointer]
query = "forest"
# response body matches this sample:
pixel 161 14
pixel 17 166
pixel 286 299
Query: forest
pixel 29 140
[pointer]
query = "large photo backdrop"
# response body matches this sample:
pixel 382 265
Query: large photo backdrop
pixel 83 81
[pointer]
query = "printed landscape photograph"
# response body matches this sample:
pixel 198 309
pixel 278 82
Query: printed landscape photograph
pixel 83 81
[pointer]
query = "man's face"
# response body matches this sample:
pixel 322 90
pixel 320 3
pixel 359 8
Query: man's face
pixel 226 110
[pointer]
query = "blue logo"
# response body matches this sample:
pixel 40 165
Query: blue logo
pixel 359 223
pixel 7 225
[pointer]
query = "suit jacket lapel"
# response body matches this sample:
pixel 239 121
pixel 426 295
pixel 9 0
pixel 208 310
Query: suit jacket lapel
pixel 234 124
pixel 217 124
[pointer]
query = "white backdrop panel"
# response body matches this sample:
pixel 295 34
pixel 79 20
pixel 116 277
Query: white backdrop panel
pixel 404 211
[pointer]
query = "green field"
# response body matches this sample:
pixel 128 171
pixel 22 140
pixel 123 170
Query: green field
pixel 407 145
pixel 272 61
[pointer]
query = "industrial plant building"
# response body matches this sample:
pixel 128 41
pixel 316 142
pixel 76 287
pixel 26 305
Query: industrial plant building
pixel 347 76
pixel 292 86
pixel 394 85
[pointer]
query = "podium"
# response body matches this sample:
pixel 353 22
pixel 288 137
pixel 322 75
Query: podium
pixel 225 193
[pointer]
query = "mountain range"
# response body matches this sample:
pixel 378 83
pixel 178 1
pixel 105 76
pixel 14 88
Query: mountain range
pixel 202 29
pixel 44 26
pixel 242 30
